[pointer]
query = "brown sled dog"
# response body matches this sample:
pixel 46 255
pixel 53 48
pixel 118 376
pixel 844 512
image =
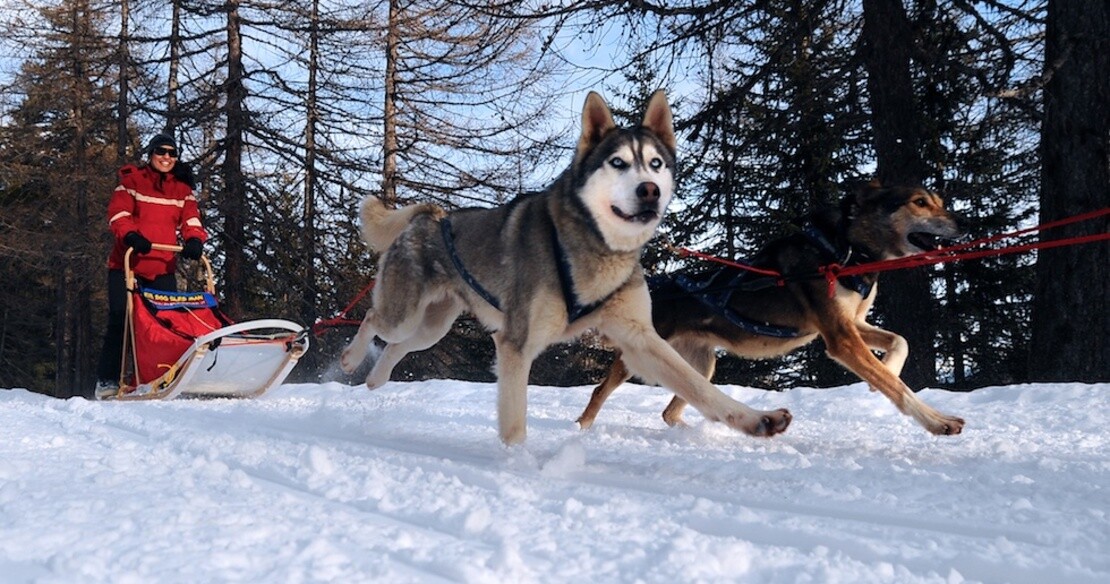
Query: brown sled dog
pixel 542 269
pixel 760 319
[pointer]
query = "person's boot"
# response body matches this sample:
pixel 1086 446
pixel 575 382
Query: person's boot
pixel 105 388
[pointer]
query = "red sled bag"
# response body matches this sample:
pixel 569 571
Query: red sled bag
pixel 166 324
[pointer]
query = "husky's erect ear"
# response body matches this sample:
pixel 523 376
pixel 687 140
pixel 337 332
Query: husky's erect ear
pixel 657 118
pixel 597 121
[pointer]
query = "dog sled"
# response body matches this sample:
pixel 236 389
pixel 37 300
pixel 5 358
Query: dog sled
pixel 181 344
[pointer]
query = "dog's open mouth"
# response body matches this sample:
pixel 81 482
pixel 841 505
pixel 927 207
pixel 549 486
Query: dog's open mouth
pixel 645 216
pixel 924 241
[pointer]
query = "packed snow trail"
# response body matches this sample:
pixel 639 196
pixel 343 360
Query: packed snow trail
pixel 409 483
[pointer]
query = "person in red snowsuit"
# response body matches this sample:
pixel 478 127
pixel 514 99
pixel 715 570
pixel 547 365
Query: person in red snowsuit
pixel 153 203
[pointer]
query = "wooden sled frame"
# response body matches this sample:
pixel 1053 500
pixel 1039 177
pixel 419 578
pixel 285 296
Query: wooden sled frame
pixel 242 360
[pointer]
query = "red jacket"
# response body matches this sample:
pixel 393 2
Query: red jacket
pixel 158 207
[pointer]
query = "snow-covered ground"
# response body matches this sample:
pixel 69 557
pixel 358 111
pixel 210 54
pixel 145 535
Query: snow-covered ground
pixel 409 483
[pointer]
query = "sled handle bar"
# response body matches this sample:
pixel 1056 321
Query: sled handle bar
pixel 209 279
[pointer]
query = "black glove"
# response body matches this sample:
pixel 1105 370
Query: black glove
pixel 137 242
pixel 192 249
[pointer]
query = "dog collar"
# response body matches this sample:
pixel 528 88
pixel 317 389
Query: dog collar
pixel 859 284
pixel 819 239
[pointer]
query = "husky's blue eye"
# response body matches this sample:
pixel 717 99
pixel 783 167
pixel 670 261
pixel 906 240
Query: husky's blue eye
pixel 617 162
pixel 656 163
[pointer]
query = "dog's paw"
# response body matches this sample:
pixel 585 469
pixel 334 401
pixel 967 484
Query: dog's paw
pixel 765 424
pixel 946 425
pixel 373 382
pixel 347 362
pixel 674 421
pixel 774 422
pixel 513 435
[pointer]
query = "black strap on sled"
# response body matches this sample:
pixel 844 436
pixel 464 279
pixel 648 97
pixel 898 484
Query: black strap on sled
pixel 449 241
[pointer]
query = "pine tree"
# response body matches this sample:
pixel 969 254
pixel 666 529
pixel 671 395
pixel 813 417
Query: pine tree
pixel 1072 304
pixel 57 156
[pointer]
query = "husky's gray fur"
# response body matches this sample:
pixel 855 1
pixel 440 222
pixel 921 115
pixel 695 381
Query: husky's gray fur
pixel 585 232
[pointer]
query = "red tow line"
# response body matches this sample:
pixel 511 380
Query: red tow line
pixel 953 253
pixel 341 319
pixel 833 271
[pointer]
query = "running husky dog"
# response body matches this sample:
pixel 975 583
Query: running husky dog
pixel 543 269
pixel 752 317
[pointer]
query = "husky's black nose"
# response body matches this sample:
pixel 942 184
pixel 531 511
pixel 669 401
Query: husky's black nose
pixel 647 193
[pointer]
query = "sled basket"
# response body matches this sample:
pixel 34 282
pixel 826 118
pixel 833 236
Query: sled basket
pixel 180 344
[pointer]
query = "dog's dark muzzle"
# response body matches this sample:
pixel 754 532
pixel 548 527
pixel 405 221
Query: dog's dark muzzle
pixel 935 234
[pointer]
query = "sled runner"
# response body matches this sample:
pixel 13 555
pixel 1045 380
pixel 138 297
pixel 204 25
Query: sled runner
pixel 180 344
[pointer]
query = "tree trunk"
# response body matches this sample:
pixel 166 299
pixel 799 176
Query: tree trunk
pixel 75 367
pixel 1071 306
pixel 122 109
pixel 80 275
pixel 309 296
pixel 905 300
pixel 232 201
pixel 61 333
pixel 389 123
pixel 172 113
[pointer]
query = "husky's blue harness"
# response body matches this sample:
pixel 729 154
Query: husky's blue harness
pixel 449 241
pixel 575 309
pixel 717 298
pixel 857 284
pixel 718 295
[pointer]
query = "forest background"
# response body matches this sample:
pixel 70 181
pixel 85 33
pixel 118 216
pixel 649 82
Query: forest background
pixel 291 112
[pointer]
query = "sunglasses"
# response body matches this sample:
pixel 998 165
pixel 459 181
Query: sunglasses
pixel 162 151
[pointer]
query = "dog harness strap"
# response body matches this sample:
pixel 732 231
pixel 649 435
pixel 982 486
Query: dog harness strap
pixel 449 241
pixel 822 242
pixel 718 301
pixel 858 284
pixel 575 309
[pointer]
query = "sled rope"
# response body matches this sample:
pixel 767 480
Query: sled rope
pixel 341 319
pixel 954 253
pixel 200 320
pixel 831 272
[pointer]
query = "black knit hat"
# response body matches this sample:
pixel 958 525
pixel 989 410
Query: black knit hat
pixel 160 140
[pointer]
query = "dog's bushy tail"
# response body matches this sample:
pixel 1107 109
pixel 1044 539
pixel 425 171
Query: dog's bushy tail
pixel 381 225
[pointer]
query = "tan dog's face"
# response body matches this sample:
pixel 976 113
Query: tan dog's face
pixel 899 221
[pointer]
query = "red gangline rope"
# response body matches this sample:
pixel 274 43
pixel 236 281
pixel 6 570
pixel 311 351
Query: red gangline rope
pixel 833 271
pixel 341 318
pixel 952 253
